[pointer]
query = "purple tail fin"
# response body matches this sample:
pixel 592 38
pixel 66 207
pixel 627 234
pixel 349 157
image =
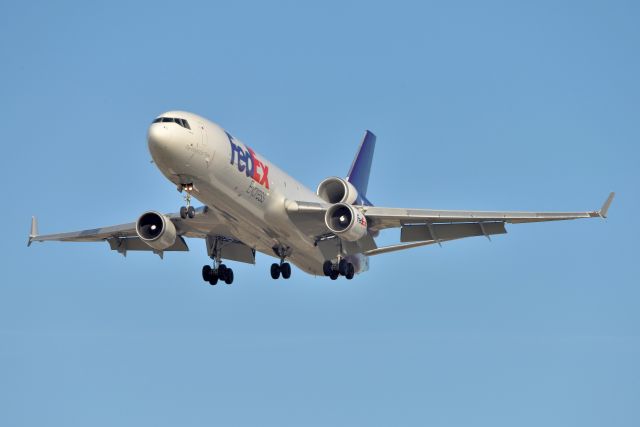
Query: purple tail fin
pixel 361 166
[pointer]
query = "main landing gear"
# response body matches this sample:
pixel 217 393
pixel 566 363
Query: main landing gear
pixel 219 271
pixel 212 274
pixel 188 210
pixel 341 268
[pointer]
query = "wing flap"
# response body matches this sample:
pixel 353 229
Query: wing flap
pixel 123 245
pixel 381 218
pixel 442 232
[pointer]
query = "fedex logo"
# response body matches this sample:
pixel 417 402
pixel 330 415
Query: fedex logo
pixel 361 219
pixel 247 162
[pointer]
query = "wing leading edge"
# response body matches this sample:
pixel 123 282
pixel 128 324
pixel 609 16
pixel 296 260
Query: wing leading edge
pixel 381 218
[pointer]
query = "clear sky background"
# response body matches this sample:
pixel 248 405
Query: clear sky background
pixel 476 105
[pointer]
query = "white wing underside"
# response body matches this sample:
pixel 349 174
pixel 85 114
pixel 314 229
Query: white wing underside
pixel 123 238
pixel 421 227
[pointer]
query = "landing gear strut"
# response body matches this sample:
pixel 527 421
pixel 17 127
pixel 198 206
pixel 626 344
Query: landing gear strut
pixel 341 268
pixel 283 268
pixel 188 210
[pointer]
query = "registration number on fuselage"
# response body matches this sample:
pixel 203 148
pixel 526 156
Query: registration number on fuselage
pixel 256 192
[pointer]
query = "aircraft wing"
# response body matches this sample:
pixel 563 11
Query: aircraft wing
pixel 123 238
pixel 381 218
pixel 421 227
pixel 90 235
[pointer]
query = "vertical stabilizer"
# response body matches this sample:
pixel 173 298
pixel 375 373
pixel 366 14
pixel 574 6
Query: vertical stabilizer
pixel 359 173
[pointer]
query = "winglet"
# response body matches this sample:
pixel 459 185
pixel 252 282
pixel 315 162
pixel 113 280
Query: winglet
pixel 605 207
pixel 34 230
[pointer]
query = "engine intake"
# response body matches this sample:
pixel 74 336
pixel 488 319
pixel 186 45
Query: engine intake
pixel 156 230
pixel 346 222
pixel 337 190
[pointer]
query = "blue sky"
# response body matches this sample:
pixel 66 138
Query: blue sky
pixel 476 105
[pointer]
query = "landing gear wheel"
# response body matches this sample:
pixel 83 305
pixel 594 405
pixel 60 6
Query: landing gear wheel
pixel 343 267
pixel 334 274
pixel 228 276
pixel 206 272
pixel 285 269
pixel 213 278
pixel 191 212
pixel 351 272
pixel 327 268
pixel 183 212
pixel 275 271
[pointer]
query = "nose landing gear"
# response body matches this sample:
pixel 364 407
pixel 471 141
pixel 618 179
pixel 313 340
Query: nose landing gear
pixel 188 210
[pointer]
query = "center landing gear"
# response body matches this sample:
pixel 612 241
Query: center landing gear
pixel 283 268
pixel 341 268
pixel 188 210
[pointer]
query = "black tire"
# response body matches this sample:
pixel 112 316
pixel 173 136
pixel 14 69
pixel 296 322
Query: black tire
pixel 228 276
pixel 222 270
pixel 213 279
pixel 351 271
pixel 343 267
pixel 275 271
pixel 183 212
pixel 334 275
pixel 206 272
pixel 191 212
pixel 327 268
pixel 285 269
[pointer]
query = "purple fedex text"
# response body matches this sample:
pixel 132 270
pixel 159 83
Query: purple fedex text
pixel 248 163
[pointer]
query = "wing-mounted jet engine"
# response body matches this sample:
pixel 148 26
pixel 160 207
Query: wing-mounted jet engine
pixel 346 222
pixel 156 230
pixel 337 190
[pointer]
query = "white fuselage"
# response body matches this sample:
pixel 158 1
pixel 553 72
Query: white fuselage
pixel 245 191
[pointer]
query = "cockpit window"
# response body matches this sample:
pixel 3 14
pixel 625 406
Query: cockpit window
pixel 181 122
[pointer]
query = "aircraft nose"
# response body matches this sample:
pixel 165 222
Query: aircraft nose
pixel 160 140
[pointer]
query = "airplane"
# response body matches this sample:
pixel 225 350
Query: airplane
pixel 250 205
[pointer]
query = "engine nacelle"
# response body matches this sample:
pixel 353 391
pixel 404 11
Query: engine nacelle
pixel 337 190
pixel 156 230
pixel 346 222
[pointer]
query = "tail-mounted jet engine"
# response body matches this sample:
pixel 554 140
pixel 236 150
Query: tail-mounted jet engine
pixel 337 190
pixel 156 230
pixel 346 222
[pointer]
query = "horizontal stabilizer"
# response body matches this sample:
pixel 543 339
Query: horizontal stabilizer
pixel 400 247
